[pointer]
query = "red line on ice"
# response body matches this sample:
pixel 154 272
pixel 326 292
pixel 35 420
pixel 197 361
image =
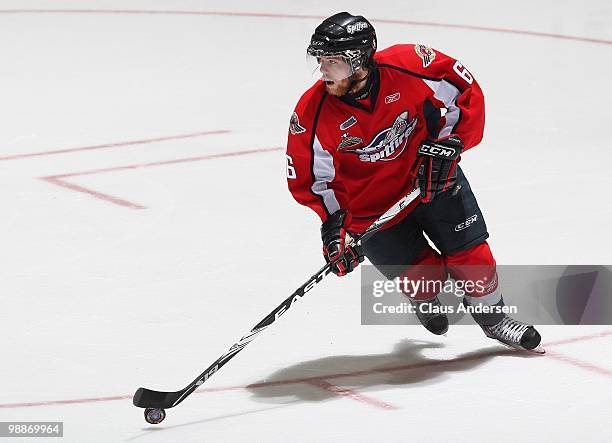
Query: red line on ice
pixel 579 363
pixel 65 402
pixel 99 195
pixel 581 338
pixel 301 16
pixel 59 180
pixel 169 162
pixel 313 380
pixel 345 392
pixel 112 145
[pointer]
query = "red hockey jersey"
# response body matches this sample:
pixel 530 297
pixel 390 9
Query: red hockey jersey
pixel 343 154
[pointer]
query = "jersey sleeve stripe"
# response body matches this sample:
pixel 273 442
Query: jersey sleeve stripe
pixel 323 172
pixel 447 94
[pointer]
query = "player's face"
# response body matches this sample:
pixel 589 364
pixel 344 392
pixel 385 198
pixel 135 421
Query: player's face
pixel 336 72
pixel 334 68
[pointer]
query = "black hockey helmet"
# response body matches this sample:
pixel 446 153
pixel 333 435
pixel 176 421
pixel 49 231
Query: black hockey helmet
pixel 349 36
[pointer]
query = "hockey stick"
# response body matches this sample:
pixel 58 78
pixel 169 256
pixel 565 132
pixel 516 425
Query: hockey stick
pixel 156 401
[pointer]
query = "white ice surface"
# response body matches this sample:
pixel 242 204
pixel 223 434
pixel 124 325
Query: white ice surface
pixel 98 299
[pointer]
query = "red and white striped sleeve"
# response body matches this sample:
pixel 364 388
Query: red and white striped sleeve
pixel 454 88
pixel 458 91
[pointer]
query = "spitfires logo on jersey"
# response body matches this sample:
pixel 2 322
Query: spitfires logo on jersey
pixel 388 144
pixel 294 125
pixel 427 54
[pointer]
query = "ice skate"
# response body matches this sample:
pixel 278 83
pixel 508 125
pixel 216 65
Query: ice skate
pixel 515 334
pixel 434 320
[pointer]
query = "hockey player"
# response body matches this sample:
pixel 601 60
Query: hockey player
pixel 375 125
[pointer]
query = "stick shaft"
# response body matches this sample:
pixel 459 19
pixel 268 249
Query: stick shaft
pixel 146 398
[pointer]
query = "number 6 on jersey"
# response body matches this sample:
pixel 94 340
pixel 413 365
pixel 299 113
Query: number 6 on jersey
pixel 290 169
pixel 463 72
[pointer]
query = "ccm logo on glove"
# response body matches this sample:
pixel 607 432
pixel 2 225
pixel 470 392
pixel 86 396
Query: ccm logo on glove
pixel 438 150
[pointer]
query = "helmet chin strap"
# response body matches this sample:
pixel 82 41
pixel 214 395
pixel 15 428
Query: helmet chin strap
pixel 364 91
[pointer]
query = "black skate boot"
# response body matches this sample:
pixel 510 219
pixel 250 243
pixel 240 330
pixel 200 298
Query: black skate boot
pixel 428 312
pixel 515 334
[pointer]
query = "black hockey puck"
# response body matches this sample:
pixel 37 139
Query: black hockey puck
pixel 154 415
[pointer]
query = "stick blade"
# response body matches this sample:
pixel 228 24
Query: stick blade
pixel 147 398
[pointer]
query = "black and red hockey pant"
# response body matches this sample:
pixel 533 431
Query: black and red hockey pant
pixel 455 225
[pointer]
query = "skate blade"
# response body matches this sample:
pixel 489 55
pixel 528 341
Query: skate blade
pixel 537 350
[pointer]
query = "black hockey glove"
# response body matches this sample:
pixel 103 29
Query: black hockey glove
pixel 436 166
pixel 344 258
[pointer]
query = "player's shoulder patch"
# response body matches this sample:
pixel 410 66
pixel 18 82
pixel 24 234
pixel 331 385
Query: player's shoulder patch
pixel 426 54
pixel 416 58
pixel 294 125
